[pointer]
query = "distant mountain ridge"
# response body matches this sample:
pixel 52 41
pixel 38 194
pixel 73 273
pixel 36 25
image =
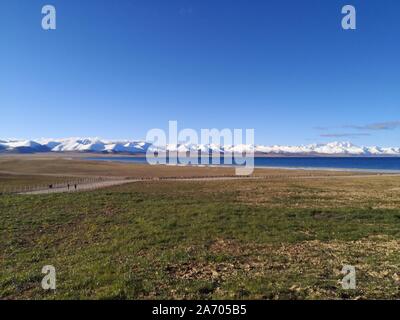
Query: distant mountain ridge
pixel 96 145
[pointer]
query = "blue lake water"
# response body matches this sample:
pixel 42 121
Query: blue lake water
pixel 377 164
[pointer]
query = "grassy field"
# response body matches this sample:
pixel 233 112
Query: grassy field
pixel 54 165
pixel 283 237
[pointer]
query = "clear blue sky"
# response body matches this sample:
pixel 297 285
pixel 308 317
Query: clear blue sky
pixel 115 69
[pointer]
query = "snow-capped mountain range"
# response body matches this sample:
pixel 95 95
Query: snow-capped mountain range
pixel 96 145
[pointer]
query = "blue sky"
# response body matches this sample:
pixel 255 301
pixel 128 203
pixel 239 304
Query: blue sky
pixel 115 69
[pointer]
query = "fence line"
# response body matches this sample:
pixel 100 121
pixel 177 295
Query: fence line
pixel 15 189
pixel 95 182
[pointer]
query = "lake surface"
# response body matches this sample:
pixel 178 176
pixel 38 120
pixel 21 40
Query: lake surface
pixel 377 164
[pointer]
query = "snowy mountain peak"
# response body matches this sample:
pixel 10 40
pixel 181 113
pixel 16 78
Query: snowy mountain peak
pixel 337 144
pixel 136 147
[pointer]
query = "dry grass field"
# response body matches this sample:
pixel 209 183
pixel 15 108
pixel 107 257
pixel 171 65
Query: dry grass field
pixel 284 236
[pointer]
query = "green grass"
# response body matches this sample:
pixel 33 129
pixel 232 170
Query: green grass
pixel 202 240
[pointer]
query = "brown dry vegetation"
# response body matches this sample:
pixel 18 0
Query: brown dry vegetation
pixel 75 165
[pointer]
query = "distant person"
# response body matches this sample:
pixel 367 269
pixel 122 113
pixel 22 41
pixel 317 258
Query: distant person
pixel 68 186
pixel 50 186
pixel 75 186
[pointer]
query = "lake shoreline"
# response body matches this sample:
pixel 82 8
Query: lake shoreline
pixel 141 160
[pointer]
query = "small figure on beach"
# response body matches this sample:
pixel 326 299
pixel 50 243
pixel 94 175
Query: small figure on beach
pixel 50 186
pixel 68 186
pixel 75 186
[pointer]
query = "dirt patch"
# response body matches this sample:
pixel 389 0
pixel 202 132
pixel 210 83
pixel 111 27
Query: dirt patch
pixel 312 268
